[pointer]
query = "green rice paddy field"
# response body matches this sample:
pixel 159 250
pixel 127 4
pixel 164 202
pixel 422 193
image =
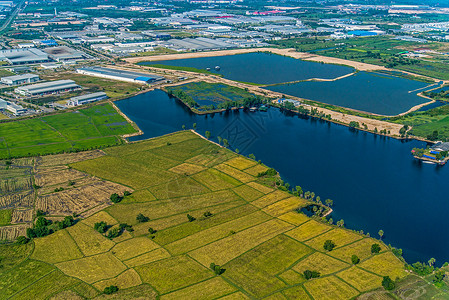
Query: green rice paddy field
pixel 89 128
pixel 253 232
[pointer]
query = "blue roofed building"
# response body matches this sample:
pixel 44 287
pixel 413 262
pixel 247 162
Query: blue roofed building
pixel 119 74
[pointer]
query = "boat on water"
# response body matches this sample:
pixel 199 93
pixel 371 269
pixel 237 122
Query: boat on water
pixel 217 68
pixel 207 69
pixel 263 108
pixel 253 109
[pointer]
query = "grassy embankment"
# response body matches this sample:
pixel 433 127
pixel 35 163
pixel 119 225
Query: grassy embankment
pixel 253 232
pixel 432 124
pixel 179 68
pixel 204 97
pixel 89 128
pixel 380 50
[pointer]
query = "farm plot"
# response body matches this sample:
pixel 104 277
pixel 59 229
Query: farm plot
pixel 270 198
pixel 209 289
pixel 255 270
pixel 241 163
pixel 361 248
pixel 330 288
pixel 133 247
pixel 83 129
pixel 127 279
pixel 385 264
pixel 235 173
pixel 46 286
pixel 173 273
pixel 181 186
pixel 57 247
pixel 22 216
pixel 224 250
pixel 216 180
pixel 248 193
pixel 308 230
pixel 284 206
pixel 67 158
pixel 15 184
pixel 321 263
pixel 93 268
pixel 360 279
pixel 146 258
pixel 78 199
pixel 21 199
pixel 340 237
pixel 89 241
pixel 215 233
pixel 49 178
pixel 212 158
pixel 12 232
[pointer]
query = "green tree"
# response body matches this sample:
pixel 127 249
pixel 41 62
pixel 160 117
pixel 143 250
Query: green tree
pixel 101 227
pixel 252 156
pixel 381 233
pixel 329 202
pixel 431 262
pixel 207 134
pixel 183 127
pixel 387 283
pixel 151 230
pixel 225 143
pixel 439 276
pixel 115 198
pixel 190 218
pixel 219 139
pixel 355 259
pixel 329 245
pixel 375 248
pixel 194 126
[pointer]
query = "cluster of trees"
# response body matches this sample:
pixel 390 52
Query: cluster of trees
pixel 269 172
pixel 433 136
pixel 43 226
pixel 403 130
pixel 246 102
pixel 181 95
pixel 116 198
pixel 217 269
pixel 393 61
pixel 103 228
pixel 375 248
pixel 311 274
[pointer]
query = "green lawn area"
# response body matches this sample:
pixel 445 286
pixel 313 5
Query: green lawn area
pixel 93 127
pixel 432 124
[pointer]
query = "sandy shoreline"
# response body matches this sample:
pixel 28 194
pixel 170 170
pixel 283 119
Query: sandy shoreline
pixel 286 52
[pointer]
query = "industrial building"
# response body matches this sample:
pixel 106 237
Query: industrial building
pixel 64 53
pixel 51 87
pixel 23 56
pixel 3 104
pixel 20 79
pixel 83 99
pixel 15 109
pixel 122 75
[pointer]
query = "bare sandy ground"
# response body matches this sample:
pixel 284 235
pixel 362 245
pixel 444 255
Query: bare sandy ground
pixel 286 52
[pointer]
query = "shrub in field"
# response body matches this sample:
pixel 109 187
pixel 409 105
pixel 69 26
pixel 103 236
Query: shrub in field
pixel 151 230
pixel 387 283
pixel 375 248
pixel 207 214
pixel 217 269
pixel 142 219
pixel 355 259
pixel 191 219
pixel 110 289
pixel 311 274
pixel 329 245
pixel 116 198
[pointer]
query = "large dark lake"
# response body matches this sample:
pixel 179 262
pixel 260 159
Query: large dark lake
pixel 373 180
pixel 261 68
pixel 365 91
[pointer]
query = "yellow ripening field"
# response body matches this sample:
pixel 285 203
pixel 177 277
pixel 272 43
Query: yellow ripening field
pixel 93 268
pixel 204 204
pixel 320 262
pixel 56 248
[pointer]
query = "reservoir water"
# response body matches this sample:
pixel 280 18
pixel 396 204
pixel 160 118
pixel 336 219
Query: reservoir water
pixel 373 180
pixel 261 68
pixel 365 91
